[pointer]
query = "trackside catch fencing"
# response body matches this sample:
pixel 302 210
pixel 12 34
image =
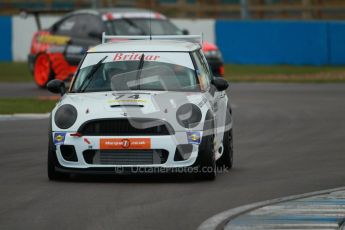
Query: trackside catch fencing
pixel 267 42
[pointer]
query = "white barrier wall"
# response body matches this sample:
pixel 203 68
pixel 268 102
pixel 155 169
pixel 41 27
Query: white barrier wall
pixel 23 30
pixel 205 26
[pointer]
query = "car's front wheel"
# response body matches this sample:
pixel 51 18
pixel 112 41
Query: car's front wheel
pixel 226 161
pixel 206 156
pixel 53 162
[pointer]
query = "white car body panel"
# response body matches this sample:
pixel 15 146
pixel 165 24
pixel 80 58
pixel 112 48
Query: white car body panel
pixel 154 104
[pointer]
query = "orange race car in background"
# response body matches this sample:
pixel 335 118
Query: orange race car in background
pixel 56 52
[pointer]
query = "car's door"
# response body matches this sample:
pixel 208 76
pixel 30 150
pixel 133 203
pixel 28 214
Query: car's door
pixel 84 30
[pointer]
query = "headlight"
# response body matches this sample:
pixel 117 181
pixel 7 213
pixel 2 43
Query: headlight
pixel 188 115
pixel 65 116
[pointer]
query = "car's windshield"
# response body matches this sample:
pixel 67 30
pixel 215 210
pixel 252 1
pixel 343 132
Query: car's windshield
pixel 141 26
pixel 160 71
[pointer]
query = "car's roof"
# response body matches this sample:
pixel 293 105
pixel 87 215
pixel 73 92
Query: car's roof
pixel 147 46
pixel 102 11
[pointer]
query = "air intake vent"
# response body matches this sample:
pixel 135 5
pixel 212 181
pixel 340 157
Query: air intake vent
pixel 126 127
pixel 116 106
pixel 126 157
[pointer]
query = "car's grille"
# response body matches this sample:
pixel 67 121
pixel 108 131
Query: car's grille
pixel 126 157
pixel 126 127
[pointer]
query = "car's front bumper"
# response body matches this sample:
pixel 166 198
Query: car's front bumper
pixel 129 170
pixel 168 143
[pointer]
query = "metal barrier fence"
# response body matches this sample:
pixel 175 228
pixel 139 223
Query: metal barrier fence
pixel 254 9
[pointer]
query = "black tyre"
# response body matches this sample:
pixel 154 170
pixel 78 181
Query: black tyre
pixel 53 162
pixel 206 159
pixel 227 159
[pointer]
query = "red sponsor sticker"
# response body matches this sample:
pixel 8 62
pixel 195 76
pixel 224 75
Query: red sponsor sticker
pixel 125 143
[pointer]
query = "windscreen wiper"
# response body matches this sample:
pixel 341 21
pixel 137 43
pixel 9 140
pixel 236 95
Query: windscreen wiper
pixel 89 76
pixel 140 67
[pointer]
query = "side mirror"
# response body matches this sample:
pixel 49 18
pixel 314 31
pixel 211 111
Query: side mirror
pixel 94 34
pixel 185 32
pixel 220 83
pixel 57 86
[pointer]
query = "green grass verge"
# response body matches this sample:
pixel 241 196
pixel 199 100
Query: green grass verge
pixel 293 74
pixel 19 72
pixel 15 72
pixel 257 79
pixel 25 105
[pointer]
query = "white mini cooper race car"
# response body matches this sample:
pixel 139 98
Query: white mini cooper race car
pixel 141 104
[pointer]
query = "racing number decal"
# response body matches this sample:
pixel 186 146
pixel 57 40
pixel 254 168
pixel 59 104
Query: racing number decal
pixel 118 96
pixel 134 96
pixel 127 98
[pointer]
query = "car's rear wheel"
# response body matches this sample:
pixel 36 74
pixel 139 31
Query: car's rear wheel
pixel 43 72
pixel 227 159
pixel 53 162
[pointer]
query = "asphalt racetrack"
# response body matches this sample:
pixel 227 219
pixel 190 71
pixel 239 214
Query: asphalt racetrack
pixel 289 139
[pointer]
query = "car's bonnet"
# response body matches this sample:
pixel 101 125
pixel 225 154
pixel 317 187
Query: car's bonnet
pixel 130 104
